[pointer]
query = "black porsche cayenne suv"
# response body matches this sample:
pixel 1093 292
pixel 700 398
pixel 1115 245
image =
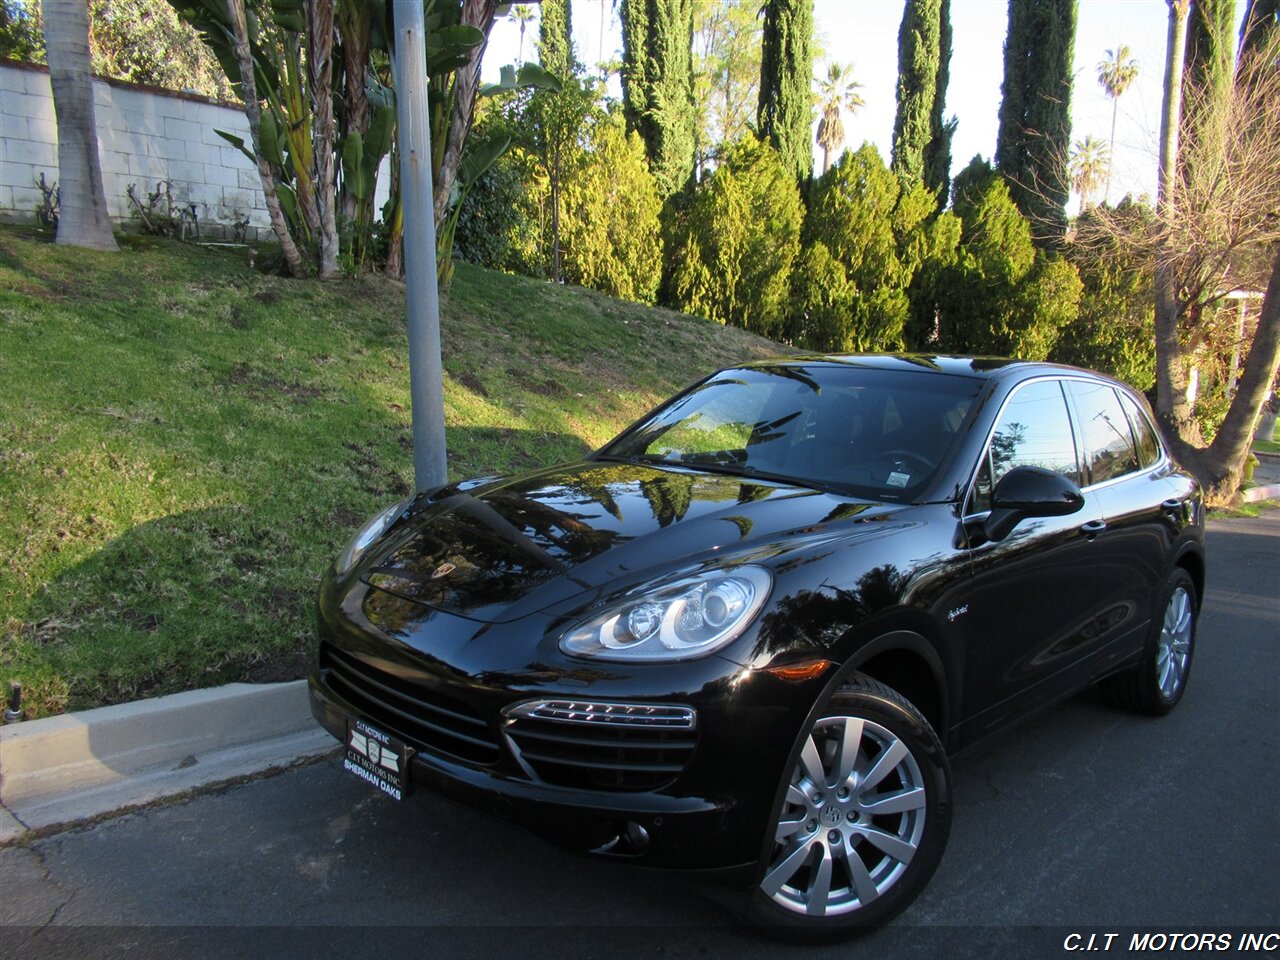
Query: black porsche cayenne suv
pixel 744 636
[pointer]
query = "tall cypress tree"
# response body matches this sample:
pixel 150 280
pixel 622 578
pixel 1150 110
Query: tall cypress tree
pixel 1035 112
pixel 919 54
pixel 785 113
pixel 657 86
pixel 937 155
pixel 1207 75
pixel 555 38
pixel 1261 19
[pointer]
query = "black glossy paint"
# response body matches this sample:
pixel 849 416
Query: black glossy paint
pixel 989 629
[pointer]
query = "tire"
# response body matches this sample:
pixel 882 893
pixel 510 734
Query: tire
pixel 871 864
pixel 1157 683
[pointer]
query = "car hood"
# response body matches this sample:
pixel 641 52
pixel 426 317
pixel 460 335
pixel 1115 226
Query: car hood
pixel 512 547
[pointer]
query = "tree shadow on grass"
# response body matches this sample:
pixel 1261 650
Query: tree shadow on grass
pixel 219 594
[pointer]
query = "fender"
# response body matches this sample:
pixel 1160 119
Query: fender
pixel 894 639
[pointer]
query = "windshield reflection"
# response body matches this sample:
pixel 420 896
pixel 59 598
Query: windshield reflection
pixel 870 433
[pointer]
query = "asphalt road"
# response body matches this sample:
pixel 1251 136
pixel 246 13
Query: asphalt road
pixel 1085 818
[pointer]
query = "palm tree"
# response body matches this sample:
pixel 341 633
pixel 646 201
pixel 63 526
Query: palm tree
pixel 837 93
pixel 523 15
pixel 83 219
pixel 1090 161
pixel 1116 74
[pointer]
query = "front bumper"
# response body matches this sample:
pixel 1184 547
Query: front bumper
pixel 711 815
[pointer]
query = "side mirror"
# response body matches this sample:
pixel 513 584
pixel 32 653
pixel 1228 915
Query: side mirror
pixel 1026 492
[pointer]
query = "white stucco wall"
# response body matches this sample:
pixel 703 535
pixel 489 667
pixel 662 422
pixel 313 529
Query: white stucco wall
pixel 144 136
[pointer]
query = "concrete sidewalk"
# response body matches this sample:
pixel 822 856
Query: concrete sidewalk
pixel 77 766
pixel 1266 477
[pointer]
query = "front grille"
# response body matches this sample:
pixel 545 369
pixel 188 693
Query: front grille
pixel 600 746
pixel 420 716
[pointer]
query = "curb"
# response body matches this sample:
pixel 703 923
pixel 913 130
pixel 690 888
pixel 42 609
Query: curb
pixel 1267 492
pixel 72 767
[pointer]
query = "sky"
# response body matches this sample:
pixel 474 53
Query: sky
pixel 865 33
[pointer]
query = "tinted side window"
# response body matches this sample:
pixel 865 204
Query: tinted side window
pixel 1034 431
pixel 1108 441
pixel 1143 432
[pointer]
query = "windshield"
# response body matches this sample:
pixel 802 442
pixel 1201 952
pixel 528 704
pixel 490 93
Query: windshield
pixel 876 434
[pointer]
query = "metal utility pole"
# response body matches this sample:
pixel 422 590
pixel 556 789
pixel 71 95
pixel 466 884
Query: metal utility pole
pixel 426 373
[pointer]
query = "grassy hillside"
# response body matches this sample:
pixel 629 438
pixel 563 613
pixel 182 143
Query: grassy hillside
pixel 185 443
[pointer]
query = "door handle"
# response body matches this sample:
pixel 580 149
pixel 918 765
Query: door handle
pixel 1093 528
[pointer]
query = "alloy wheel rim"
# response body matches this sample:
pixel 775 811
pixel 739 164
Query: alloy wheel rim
pixel 1174 649
pixel 852 820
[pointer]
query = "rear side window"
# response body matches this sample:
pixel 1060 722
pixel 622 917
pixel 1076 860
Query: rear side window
pixel 1034 431
pixel 1108 440
pixel 1143 433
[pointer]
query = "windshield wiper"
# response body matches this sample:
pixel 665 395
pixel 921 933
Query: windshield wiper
pixel 748 472
pixel 639 459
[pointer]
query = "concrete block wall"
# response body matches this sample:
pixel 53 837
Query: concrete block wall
pixel 144 136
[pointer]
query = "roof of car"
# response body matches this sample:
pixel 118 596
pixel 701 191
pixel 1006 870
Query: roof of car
pixel 987 368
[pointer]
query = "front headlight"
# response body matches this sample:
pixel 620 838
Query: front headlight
pixel 370 532
pixel 685 618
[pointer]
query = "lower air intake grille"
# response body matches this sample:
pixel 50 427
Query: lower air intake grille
pixel 418 715
pixel 602 746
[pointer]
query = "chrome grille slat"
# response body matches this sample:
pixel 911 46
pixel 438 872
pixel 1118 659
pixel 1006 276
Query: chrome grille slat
pixel 598 745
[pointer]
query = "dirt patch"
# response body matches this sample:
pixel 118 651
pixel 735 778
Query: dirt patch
pixel 472 383
pixel 265 386
pixel 279 667
pixel 147 622
pixel 236 317
pixel 343 517
pixel 373 476
pixel 266 296
pixel 547 388
pixel 281 601
pixel 246 562
pixel 544 388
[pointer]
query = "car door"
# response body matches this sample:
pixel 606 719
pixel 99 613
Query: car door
pixel 1030 606
pixel 1137 501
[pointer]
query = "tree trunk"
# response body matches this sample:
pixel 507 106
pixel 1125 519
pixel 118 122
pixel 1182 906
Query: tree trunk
pixel 354 22
pixel 1111 151
pixel 83 220
pixel 1171 381
pixel 320 67
pixel 555 228
pixel 253 112
pixel 1218 467
pixel 395 220
pixel 466 84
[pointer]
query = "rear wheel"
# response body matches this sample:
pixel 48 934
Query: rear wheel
pixel 864 820
pixel 1156 684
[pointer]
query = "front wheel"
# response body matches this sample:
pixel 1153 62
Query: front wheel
pixel 1156 684
pixel 863 823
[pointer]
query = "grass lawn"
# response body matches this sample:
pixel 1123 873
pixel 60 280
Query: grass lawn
pixel 185 443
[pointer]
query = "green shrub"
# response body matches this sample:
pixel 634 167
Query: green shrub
pixel 499 225
pixel 733 250
pixel 1002 297
pixel 865 239
pixel 609 224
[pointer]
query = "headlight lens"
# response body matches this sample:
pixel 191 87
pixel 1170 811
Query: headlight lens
pixel 370 532
pixel 685 618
